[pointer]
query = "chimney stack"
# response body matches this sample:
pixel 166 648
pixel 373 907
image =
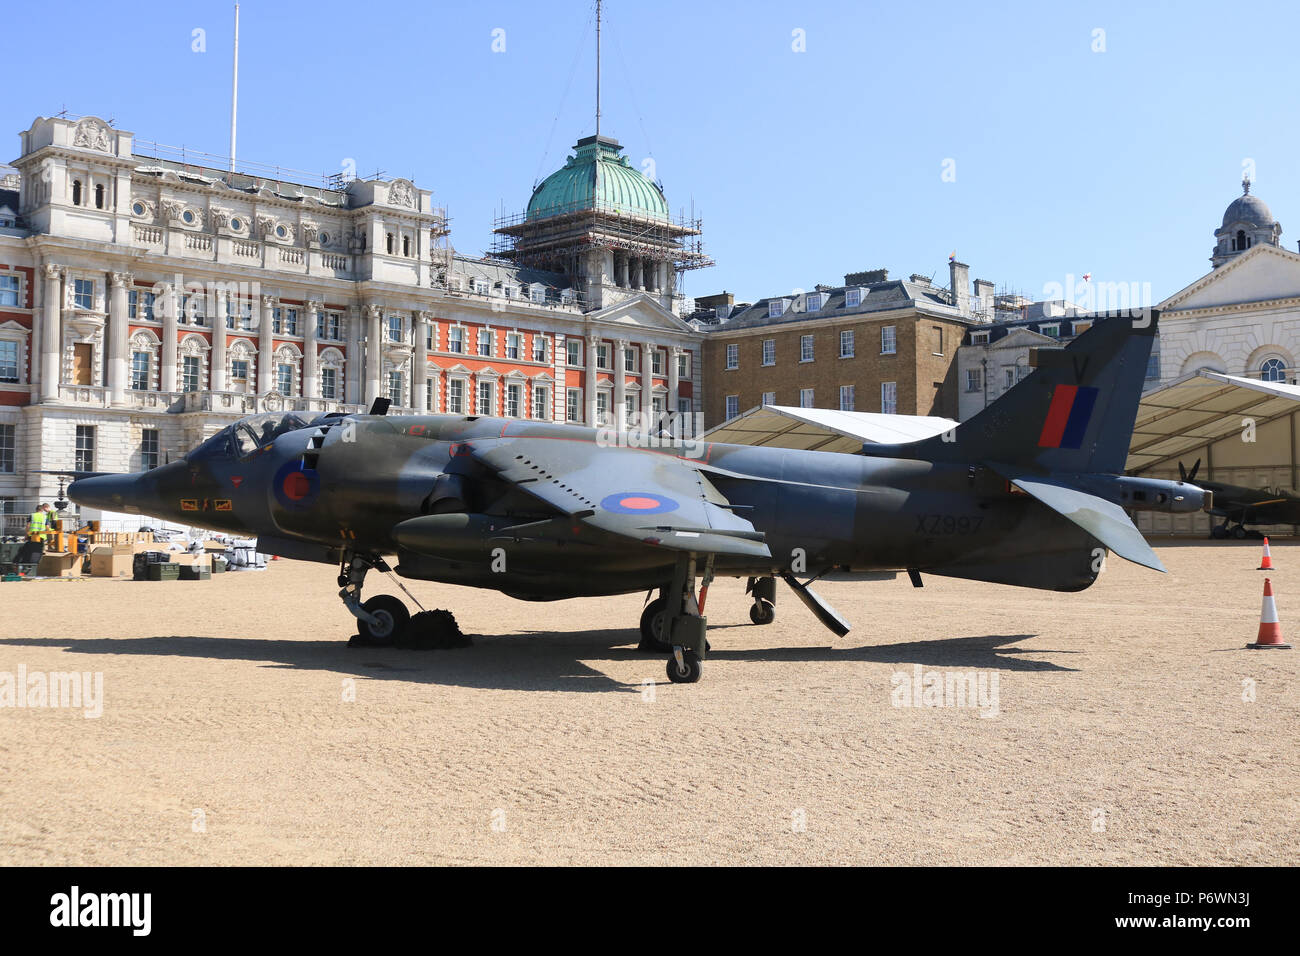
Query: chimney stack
pixel 959 272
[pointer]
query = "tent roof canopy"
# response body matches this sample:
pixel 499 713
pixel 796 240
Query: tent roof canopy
pixel 1199 409
pixel 823 429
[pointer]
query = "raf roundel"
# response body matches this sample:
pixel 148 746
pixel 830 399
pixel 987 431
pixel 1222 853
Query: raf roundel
pixel 296 487
pixel 638 503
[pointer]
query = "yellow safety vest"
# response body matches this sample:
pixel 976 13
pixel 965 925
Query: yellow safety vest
pixel 37 527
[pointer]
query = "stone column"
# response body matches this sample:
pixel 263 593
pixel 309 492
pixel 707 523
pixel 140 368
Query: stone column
pixel 118 330
pixel 51 344
pixel 217 365
pixel 167 376
pixel 635 277
pixel 265 343
pixel 310 360
pixel 620 386
pixel 671 401
pixel 589 396
pixel 420 364
pixel 352 358
pixel 374 353
pixel 647 388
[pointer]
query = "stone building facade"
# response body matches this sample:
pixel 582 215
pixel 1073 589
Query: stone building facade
pixel 146 301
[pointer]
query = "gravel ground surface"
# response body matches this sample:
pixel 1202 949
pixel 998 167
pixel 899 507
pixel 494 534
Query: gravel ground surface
pixel 1124 724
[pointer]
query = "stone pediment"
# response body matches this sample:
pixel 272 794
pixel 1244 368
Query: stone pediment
pixel 640 311
pixel 1265 273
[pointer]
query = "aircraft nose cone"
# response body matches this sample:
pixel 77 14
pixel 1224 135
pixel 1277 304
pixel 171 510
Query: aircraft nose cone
pixel 108 492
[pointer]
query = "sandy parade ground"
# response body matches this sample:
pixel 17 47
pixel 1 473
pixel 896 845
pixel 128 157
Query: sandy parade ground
pixel 1123 724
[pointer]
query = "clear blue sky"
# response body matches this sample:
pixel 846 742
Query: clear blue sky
pixel 803 165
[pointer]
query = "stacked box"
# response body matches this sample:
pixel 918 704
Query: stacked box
pixel 164 571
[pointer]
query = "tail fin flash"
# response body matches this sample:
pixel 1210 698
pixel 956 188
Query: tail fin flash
pixel 1073 413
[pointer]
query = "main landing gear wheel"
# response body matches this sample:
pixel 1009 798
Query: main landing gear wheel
pixel 762 612
pixel 390 616
pixel 652 626
pixel 1239 532
pixel 688 671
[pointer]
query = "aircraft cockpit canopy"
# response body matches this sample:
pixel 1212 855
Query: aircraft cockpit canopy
pixel 249 434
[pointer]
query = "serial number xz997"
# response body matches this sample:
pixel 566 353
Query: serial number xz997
pixel 948 524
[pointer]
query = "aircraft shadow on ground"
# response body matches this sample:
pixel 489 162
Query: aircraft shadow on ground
pixel 540 660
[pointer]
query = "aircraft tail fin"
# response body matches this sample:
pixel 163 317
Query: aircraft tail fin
pixel 1073 413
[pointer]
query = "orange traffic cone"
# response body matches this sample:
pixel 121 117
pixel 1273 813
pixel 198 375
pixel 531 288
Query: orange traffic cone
pixel 1270 631
pixel 1267 563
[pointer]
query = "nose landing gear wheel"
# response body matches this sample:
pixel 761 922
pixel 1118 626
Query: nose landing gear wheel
pixel 652 626
pixel 688 672
pixel 762 611
pixel 390 616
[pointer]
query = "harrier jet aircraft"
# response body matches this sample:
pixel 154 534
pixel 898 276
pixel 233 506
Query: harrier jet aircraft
pixel 1028 492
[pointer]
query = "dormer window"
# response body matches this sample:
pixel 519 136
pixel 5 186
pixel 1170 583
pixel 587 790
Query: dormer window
pixel 814 302
pixel 1054 330
pixel 481 286
pixel 852 298
pixel 775 308
pixel 979 338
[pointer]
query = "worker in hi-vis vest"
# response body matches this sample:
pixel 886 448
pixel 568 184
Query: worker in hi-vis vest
pixel 39 526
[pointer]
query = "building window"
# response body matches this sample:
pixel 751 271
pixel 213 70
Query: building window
pixel 814 302
pixel 85 448
pixel 602 356
pixel 733 356
pixel 684 365
pixel 539 348
pixel 775 308
pixel 1054 330
pixel 805 398
pixel 979 338
pixel 83 293
pixel 846 344
pixel 430 397
pixel 290 321
pixel 480 286
pixel 733 406
pixel 190 373
pixel 389 240
pixel 406 246
pixel 8 450
pixel 456 396
pixel 769 351
pixel 332 323
pixel 149 449
pixel 485 342
pixel 394 328
pixel 486 397
pixel 140 371
pixel 395 387
pixel 629 407
pixel 974 380
pixel 573 405
pixel 9 362
pixel 1078 328
pixel 514 400
pixel 456 339
pixel 805 348
pixel 9 291
pixel 239 372
pixel 513 343
pixel 541 402
pixel 602 408
pixel 657 362
pixel 573 352
pixel 852 298
pixel 537 294
pixel 329 383
pixel 629 359
pixel 99 195
pixel 277 321
pixel 769 398
pixel 889 398
pixel 284 380
pixel 76 193
pixel 888 340
pixel 1153 364
pixel 1272 370
pixel 938 340
pixel 1008 376
pixel 846 398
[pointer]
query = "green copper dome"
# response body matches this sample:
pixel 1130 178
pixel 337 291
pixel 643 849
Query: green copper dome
pixel 600 177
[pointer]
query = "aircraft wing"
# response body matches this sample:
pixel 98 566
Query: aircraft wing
pixel 657 499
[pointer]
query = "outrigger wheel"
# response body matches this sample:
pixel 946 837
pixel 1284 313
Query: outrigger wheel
pixel 762 612
pixel 389 615
pixel 684 667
